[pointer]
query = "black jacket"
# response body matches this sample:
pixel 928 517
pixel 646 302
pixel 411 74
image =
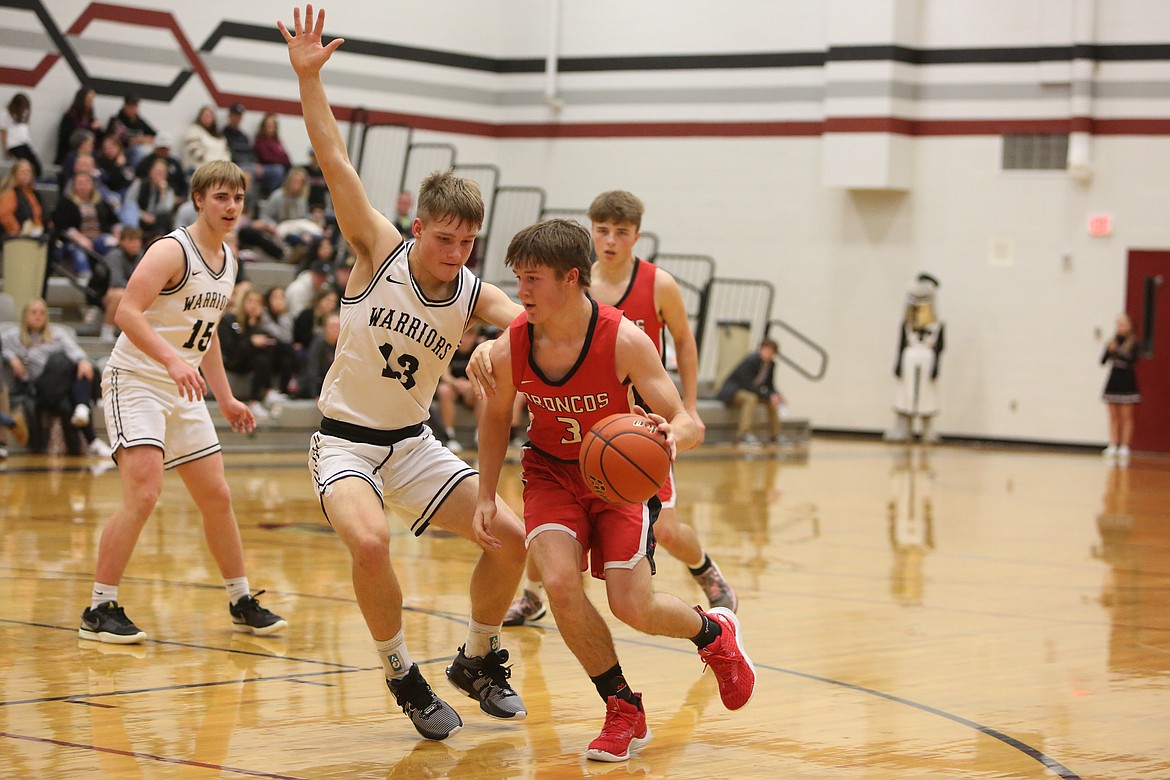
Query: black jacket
pixel 743 377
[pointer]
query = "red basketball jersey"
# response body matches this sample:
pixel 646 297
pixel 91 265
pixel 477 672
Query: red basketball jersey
pixel 637 303
pixel 565 410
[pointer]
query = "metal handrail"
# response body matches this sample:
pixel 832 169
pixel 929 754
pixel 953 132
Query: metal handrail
pixel 810 375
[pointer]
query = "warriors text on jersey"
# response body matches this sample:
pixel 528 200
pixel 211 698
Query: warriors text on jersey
pixel 185 315
pixel 563 411
pixel 637 302
pixel 394 346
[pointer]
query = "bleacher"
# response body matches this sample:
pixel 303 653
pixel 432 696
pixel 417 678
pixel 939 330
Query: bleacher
pixel 728 316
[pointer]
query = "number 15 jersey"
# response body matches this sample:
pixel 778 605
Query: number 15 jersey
pixel 394 345
pixel 185 315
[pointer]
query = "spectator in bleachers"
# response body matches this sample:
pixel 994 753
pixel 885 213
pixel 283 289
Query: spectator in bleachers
pixel 751 383
pixel 114 169
pixel 250 349
pixel 239 144
pixel 320 357
pixel 55 375
pixel 79 116
pixel 133 132
pixel 310 322
pixel 278 320
pixel 85 163
pixel 271 155
pixel 163 146
pixel 82 142
pixel 150 202
pixel 86 221
pixel 21 211
pixel 303 292
pixel 15 136
pixel 288 207
pixel 318 189
pixel 403 218
pixel 455 388
pixel 13 424
pixel 203 142
pixel 120 263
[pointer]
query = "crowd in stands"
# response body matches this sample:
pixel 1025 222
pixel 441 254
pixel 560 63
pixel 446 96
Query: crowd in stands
pixel 119 185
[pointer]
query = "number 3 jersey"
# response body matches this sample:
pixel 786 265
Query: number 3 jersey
pixel 395 344
pixel 563 411
pixel 185 315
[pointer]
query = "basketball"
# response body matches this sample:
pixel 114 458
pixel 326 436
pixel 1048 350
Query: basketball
pixel 624 459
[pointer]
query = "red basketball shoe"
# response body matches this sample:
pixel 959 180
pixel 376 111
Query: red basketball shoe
pixel 625 731
pixel 727 659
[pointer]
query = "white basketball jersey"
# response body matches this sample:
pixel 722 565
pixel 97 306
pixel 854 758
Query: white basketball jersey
pixel 185 315
pixel 394 346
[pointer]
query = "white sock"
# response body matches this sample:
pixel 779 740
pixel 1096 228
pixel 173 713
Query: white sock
pixel 395 657
pixel 481 639
pixel 237 588
pixel 537 588
pixel 102 593
pixel 450 433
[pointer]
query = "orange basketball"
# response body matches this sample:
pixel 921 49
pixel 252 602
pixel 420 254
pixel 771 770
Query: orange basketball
pixel 624 459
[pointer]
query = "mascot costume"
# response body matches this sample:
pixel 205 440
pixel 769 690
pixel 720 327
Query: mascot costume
pixel 919 353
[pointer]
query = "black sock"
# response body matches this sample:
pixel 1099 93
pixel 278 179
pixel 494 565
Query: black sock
pixel 611 682
pixel 708 633
pixel 702 567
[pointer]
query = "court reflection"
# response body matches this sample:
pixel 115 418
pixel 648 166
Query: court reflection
pixel 910 517
pixel 1134 526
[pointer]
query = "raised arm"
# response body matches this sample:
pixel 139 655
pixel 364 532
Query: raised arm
pixel 371 235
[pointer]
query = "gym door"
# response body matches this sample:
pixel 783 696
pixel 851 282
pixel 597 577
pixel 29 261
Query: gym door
pixel 1147 300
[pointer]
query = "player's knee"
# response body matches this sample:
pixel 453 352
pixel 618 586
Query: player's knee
pixel 370 548
pixel 563 587
pixel 665 533
pixel 629 610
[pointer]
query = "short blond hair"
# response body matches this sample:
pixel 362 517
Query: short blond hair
pixel 215 173
pixel 443 195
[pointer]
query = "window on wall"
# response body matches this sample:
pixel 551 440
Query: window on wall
pixel 1035 152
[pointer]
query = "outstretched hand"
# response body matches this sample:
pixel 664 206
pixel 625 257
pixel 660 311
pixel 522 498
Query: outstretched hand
pixel 305 51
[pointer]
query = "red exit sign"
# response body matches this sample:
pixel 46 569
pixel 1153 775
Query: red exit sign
pixel 1100 225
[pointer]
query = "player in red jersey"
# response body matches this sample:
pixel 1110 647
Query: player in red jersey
pixel 575 361
pixel 651 298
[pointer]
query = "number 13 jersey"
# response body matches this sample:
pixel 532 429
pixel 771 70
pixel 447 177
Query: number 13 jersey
pixel 394 345
pixel 185 315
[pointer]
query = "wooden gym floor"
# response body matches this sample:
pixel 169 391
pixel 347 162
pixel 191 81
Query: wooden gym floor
pixel 913 613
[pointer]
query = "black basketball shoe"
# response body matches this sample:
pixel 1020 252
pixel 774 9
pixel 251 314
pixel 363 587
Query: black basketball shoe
pixel 486 680
pixel 251 618
pixel 107 622
pixel 431 716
